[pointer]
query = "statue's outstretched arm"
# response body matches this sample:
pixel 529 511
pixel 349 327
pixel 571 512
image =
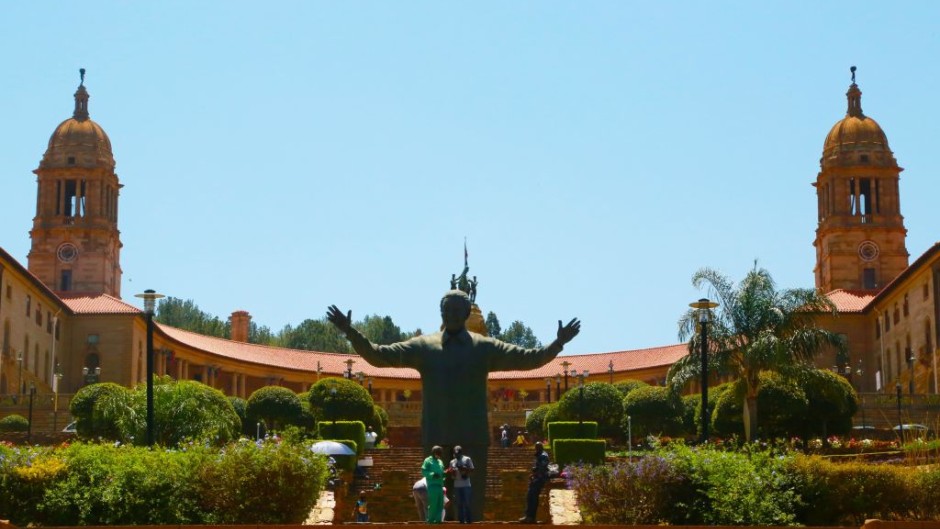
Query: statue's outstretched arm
pixel 509 357
pixel 395 355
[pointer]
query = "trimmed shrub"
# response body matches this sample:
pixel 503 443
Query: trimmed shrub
pixel 579 451
pixel 535 422
pixel 185 410
pixel 104 410
pixel 654 410
pixel 14 423
pixel 639 492
pixel 571 430
pixel 832 403
pixel 240 405
pixel 103 484
pixel 275 406
pixel 781 404
pixel 628 385
pixel 347 462
pixel 600 403
pixel 727 415
pixel 350 402
pixel 379 422
pixel 354 430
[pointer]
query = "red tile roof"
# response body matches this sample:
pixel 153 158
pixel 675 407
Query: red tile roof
pixel 97 304
pixel 335 363
pixel 847 301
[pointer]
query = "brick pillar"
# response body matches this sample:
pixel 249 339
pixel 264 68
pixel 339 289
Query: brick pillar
pixel 241 321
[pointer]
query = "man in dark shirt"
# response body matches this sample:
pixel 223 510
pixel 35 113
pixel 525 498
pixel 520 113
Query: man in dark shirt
pixel 454 365
pixel 537 480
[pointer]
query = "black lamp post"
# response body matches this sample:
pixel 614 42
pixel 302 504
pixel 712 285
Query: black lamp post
pixel 22 384
pixel 333 406
pixel 703 308
pixel 361 377
pixel 348 373
pixel 564 366
pixel 610 371
pixel 858 383
pixel 91 375
pixel 558 386
pixel 548 389
pixel 580 376
pixel 910 370
pixel 150 298
pixel 897 388
pixel 29 427
pixel 370 386
pixel 56 380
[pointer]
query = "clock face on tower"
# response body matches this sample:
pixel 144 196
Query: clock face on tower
pixel 868 251
pixel 67 252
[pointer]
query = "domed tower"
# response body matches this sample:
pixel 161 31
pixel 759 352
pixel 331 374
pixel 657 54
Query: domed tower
pixel 75 239
pixel 860 240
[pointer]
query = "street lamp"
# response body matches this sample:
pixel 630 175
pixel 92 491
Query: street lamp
pixel 858 376
pixel 333 405
pixel 910 370
pixel 564 366
pixel 56 380
pixel 610 370
pixel 22 384
pixel 580 376
pixel 897 389
pixel 548 389
pixel 703 307
pixel 29 427
pixel 91 375
pixel 150 298
pixel 349 363
pixel 360 376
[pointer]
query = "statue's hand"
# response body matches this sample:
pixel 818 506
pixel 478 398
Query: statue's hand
pixel 566 333
pixel 342 321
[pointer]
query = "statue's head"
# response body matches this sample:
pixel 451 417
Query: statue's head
pixel 455 309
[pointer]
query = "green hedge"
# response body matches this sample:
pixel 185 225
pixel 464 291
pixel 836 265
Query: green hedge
pixel 103 484
pixel 339 430
pixel 347 462
pixel 577 451
pixel 571 430
pixel 14 423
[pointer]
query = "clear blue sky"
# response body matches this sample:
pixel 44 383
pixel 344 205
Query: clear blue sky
pixel 281 157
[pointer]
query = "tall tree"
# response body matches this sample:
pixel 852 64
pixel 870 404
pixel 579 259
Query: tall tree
pixel 380 330
pixel 314 335
pixel 756 328
pixel 492 325
pixel 186 315
pixel 519 334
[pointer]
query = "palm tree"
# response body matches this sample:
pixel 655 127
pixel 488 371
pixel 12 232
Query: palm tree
pixel 757 328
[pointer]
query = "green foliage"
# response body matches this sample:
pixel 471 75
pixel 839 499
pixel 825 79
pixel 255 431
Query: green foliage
pixel 240 405
pixel 275 406
pixel 654 410
pixel 520 334
pixel 601 403
pixel 185 410
pixel 186 315
pixel 571 430
pixel 493 327
pixel 628 385
pixel 639 492
pixel 691 408
pixel 379 422
pixel 380 330
pixel 727 415
pixel 756 328
pixel 851 492
pixel 314 335
pixel 342 430
pixel 105 411
pixel 14 423
pixel 350 402
pixel 784 403
pixel 107 485
pixel 832 402
pixel 551 415
pixel 579 451
pixel 535 422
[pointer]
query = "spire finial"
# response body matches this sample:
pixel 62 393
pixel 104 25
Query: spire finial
pixel 854 96
pixel 81 99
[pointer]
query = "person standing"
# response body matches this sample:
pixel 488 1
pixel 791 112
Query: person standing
pixel 504 437
pixel 371 437
pixel 433 471
pixel 536 481
pixel 362 508
pixel 461 466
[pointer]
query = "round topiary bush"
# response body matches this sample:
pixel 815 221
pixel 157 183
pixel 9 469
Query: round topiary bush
pixel 103 410
pixel 535 422
pixel 601 402
pixel 654 410
pixel 14 423
pixel 628 385
pixel 275 406
pixel 349 401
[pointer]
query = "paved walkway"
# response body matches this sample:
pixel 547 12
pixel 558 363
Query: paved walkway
pixel 563 506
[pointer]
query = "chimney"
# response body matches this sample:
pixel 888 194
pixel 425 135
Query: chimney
pixel 241 321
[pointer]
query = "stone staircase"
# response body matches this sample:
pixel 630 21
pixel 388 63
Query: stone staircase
pixel 396 469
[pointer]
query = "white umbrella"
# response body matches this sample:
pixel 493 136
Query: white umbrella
pixel 331 448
